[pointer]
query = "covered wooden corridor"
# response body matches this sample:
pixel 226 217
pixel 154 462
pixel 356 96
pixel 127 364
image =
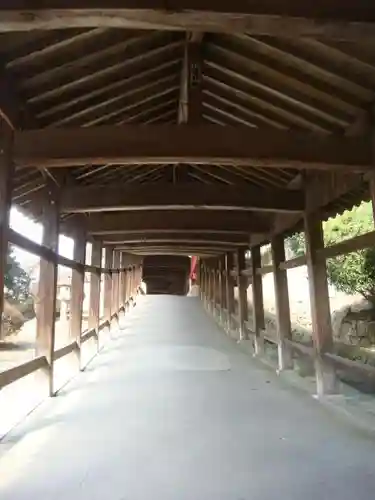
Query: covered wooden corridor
pixel 158 130
pixel 173 409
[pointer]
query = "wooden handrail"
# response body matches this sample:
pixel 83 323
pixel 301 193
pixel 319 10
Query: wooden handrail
pixel 17 372
pixel 349 363
pixel 49 255
pixel 63 351
pixel 303 348
pixel 88 335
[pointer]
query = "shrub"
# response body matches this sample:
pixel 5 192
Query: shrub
pixel 354 272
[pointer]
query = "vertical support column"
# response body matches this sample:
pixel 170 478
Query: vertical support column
pixel 108 285
pixel 6 174
pixel 204 283
pixel 131 273
pixel 127 293
pixel 258 306
pixel 229 285
pixel 214 288
pixel 123 285
pixel 285 359
pixel 209 287
pixel 326 380
pixel 46 311
pixel 242 293
pixel 221 290
pixel 77 293
pixel 115 282
pixel 94 305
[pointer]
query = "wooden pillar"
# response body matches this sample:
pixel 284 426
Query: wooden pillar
pixel 284 330
pixel 123 286
pixel 115 282
pixel 94 305
pixel 209 287
pixel 127 279
pixel 221 290
pixel 242 293
pixel 204 283
pixel 46 310
pixel 326 380
pixel 258 306
pixel 6 175
pixel 77 292
pixel 229 285
pixel 108 285
pixel 214 288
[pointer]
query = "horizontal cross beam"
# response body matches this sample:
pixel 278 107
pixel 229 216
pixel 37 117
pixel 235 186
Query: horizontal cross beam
pixel 321 18
pixel 176 237
pixel 191 144
pixel 101 225
pixel 179 197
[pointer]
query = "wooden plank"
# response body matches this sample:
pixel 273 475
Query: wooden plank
pixel 284 328
pixel 108 284
pixel 77 292
pixel 242 293
pixel 202 144
pixel 179 197
pixel 327 19
pixel 6 175
pixel 17 372
pixel 94 300
pixel 326 381
pixel 258 304
pixel 46 309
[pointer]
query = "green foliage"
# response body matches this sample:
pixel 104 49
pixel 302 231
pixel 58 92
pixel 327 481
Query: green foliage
pixel 354 272
pixel 16 280
pixel 296 244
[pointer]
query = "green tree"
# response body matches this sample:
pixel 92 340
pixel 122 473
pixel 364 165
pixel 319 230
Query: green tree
pixel 16 280
pixel 353 272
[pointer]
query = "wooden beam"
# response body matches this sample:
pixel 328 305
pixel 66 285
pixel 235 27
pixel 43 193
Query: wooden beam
pixel 94 304
pixel 179 197
pixel 201 144
pixel 206 222
pixel 326 382
pixel 6 174
pixel 284 328
pixel 46 308
pixel 321 19
pixel 171 237
pixel 77 293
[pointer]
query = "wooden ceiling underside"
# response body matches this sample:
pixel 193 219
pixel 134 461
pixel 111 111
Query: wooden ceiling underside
pixel 88 73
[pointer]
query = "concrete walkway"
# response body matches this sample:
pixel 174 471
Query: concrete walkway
pixel 173 410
